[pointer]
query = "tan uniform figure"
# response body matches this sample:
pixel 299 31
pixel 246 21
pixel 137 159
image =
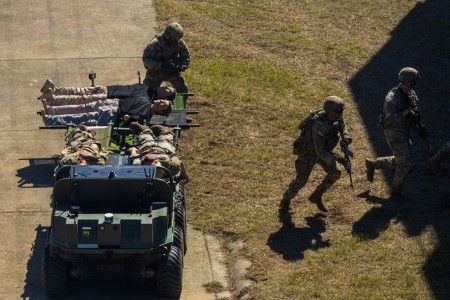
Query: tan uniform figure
pixel 398 123
pixel 315 147
pixel 82 148
pixel 156 143
pixel 165 57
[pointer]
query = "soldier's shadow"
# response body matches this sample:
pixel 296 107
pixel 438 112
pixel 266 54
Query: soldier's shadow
pixel 291 241
pixel 39 173
pixel 377 219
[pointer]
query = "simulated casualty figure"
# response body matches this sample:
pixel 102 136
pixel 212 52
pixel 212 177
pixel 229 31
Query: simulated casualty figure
pixel 105 112
pixel 156 144
pixel 82 148
pixel 320 135
pixel 58 96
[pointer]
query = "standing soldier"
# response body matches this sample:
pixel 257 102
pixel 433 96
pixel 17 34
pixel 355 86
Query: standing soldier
pixel 319 136
pixel 398 120
pixel 165 58
pixel 435 161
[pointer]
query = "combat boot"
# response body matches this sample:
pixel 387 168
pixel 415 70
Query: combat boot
pixel 396 194
pixel 47 95
pixel 316 198
pixel 137 128
pixel 435 165
pixel 370 169
pixel 47 85
pixel 159 129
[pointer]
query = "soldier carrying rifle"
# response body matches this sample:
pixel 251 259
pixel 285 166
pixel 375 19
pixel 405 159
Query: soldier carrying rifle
pixel 400 117
pixel 320 132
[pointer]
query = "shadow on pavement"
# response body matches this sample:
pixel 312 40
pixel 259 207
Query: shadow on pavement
pixel 38 174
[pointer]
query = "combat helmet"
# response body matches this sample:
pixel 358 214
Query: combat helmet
pixel 333 103
pixel 173 32
pixel 408 75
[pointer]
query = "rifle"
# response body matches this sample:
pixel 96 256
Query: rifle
pixel 420 127
pixel 347 153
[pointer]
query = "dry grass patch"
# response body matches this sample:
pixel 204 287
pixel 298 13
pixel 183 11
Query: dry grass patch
pixel 257 68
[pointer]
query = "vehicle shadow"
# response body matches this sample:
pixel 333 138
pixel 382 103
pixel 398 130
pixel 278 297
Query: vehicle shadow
pixel 38 174
pixel 292 242
pixel 96 289
pixel 420 40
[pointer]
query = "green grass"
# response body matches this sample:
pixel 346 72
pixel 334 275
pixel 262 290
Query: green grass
pixel 257 68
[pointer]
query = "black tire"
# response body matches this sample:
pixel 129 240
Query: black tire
pixel 180 220
pixel 182 190
pixel 169 269
pixel 178 238
pixel 55 276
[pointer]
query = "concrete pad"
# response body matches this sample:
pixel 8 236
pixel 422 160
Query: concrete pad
pixel 63 40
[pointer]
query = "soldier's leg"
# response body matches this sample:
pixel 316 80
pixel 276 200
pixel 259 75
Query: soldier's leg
pixel 69 109
pixel 76 119
pixel 402 154
pixel 162 132
pixel 179 83
pixel 386 162
pixel 303 167
pixel 165 138
pixel 73 99
pixel 153 79
pixel 435 161
pixel 145 136
pixel 333 174
pixel 68 90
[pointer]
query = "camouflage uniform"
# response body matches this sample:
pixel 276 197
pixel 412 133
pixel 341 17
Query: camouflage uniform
pixel 316 147
pixel 158 140
pixel 80 143
pixel 165 57
pixel 397 129
pixel 74 95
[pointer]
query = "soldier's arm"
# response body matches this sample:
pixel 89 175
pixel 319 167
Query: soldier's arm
pixel 347 136
pixel 318 135
pixel 184 54
pixel 148 57
pixel 394 117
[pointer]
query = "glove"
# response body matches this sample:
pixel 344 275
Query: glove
pixel 183 68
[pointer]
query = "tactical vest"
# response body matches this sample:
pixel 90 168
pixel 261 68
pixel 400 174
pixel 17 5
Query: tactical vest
pixel 301 142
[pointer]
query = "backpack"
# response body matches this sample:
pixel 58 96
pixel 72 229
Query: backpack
pixel 305 125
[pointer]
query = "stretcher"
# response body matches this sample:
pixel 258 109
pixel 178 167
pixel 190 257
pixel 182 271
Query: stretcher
pixel 118 219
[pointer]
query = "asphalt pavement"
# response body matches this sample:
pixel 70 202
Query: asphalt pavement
pixel 65 40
